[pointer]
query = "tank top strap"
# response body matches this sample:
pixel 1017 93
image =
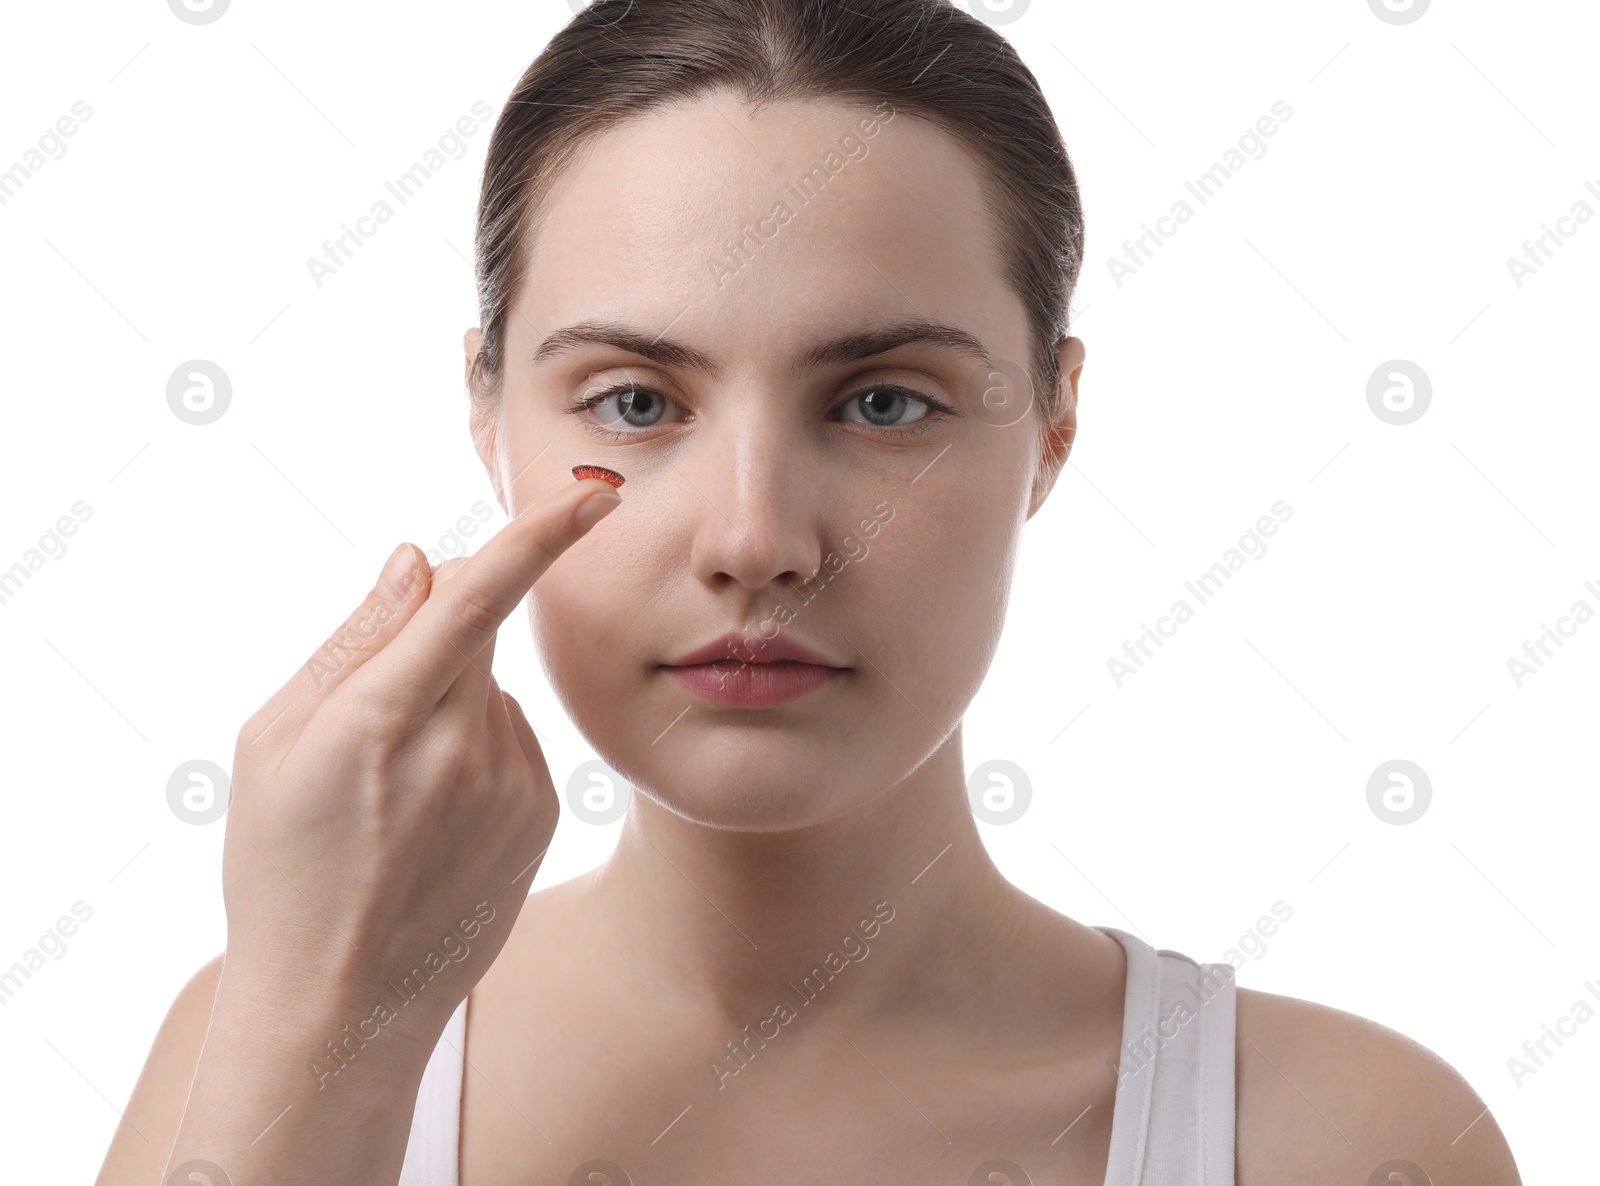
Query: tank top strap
pixel 433 1148
pixel 1173 1121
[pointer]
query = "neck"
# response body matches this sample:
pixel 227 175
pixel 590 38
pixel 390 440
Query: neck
pixel 892 910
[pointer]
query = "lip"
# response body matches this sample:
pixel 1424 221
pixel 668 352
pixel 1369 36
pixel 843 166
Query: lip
pixel 754 650
pixel 738 671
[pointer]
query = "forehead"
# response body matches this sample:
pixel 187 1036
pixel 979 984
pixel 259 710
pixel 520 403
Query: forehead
pixel 743 226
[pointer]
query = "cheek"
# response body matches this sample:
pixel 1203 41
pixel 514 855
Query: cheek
pixel 925 604
pixel 959 541
pixel 591 611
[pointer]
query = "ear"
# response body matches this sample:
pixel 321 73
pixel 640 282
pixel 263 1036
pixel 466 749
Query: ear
pixel 471 342
pixel 1061 429
pixel 485 437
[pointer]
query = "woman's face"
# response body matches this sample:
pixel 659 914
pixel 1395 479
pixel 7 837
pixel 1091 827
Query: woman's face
pixel 859 501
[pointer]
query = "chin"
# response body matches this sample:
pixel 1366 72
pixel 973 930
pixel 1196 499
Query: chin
pixel 756 786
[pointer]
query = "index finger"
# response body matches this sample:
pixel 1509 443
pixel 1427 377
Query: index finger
pixel 464 612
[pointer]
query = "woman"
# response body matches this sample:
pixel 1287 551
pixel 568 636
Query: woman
pixel 798 273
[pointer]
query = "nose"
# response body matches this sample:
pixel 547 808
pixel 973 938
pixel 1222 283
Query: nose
pixel 759 495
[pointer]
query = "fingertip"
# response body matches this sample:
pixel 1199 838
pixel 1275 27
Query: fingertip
pixel 596 507
pixel 401 574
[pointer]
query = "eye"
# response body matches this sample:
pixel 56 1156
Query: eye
pixel 621 408
pixel 886 406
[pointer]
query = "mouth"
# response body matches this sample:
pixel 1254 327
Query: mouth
pixel 748 671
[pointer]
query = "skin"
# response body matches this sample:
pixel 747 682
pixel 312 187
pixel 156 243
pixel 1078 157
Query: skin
pixel 984 1023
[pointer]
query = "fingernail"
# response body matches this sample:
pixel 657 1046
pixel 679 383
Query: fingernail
pixel 580 472
pixel 594 508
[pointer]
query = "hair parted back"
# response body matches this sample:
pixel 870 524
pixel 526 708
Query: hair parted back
pixel 620 59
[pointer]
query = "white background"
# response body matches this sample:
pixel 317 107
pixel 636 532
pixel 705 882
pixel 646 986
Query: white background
pixel 1229 372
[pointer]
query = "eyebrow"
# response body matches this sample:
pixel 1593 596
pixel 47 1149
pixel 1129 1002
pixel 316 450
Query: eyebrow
pixel 850 348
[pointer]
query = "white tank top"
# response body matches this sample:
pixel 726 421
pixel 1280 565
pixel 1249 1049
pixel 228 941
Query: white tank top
pixel 1171 1123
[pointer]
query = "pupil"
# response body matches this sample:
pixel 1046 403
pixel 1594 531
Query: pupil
pixel 636 401
pixel 873 400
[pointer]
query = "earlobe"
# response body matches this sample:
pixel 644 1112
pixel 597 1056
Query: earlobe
pixel 483 428
pixel 485 440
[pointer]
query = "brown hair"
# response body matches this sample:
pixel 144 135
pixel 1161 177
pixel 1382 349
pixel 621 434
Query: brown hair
pixel 623 58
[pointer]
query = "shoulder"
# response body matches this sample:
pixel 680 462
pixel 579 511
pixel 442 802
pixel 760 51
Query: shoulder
pixel 139 1148
pixel 1322 1090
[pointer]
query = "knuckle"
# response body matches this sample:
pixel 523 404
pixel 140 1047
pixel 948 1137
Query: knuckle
pixel 377 716
pixel 478 612
pixel 262 732
pixel 461 753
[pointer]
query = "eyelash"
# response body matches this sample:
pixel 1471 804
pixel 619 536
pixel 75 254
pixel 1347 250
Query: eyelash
pixel 938 410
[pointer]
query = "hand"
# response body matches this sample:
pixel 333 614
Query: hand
pixel 390 802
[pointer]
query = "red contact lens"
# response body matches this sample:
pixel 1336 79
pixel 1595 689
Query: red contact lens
pixel 580 472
